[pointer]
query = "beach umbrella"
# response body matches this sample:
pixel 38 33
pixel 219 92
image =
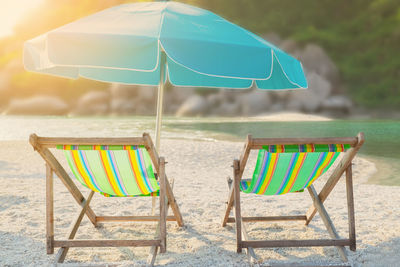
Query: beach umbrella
pixel 148 43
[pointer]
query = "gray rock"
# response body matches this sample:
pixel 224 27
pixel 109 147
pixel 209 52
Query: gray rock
pixel 131 99
pixel 255 102
pixel 123 106
pixel 194 106
pixel 280 95
pixel 310 99
pixel 215 100
pixel 123 91
pixel 315 59
pixel 272 37
pixel 227 109
pixel 277 106
pixel 231 95
pixel 146 93
pixel 337 103
pixel 289 46
pixel 93 103
pixel 37 105
pixel 174 97
pixel 180 94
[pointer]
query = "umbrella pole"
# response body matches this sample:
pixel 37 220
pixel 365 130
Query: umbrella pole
pixel 160 100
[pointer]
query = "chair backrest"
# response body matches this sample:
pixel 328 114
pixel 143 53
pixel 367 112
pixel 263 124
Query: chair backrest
pixel 113 170
pixel 281 169
pixel 291 164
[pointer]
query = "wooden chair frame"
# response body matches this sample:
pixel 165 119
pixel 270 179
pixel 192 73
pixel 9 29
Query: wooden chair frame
pixel 43 144
pixel 344 166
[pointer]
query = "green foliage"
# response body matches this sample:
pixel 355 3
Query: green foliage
pixel 361 36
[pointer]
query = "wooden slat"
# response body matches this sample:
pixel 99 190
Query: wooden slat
pixel 106 243
pixel 49 210
pixel 336 174
pixel 296 243
pixel 270 218
pixel 238 215
pixel 51 160
pixel 257 143
pixel 62 252
pixel 350 208
pixel 132 218
pixel 327 220
pixel 51 142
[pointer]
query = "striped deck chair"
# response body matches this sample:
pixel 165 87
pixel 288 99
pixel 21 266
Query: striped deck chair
pixel 286 165
pixel 113 167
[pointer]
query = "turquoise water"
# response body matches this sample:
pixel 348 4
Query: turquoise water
pixel 382 144
pixel 382 137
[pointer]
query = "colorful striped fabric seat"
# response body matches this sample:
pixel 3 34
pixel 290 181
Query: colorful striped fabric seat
pixel 117 171
pixel 281 169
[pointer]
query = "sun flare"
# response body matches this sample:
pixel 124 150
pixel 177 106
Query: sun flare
pixel 12 11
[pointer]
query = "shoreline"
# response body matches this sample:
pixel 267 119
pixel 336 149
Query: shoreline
pixel 202 241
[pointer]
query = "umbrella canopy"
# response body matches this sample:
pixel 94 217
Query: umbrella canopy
pixel 149 42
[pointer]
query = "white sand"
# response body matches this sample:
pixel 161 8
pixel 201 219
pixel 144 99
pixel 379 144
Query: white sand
pixel 290 116
pixel 200 170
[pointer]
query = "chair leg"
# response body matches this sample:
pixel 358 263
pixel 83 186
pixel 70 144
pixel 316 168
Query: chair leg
pixel 238 217
pixel 161 229
pixel 49 210
pixel 335 176
pixel 172 202
pixel 250 251
pixel 350 208
pixel 163 225
pixel 62 252
pixel 327 220
pixel 229 203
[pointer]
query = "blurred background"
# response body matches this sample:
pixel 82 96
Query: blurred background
pixel 350 50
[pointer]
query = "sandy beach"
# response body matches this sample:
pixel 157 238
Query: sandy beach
pixel 199 170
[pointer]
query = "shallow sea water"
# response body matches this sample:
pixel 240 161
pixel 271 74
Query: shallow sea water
pixel 382 144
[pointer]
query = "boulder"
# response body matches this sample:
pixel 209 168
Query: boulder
pixel 230 95
pixel 93 103
pixel 227 109
pixel 179 94
pixel 315 59
pixel 309 100
pixel 272 37
pixel 215 100
pixel 194 106
pixel 174 97
pixel 123 91
pixel 337 104
pixel 289 46
pixel 37 105
pixel 130 99
pixel 147 94
pixel 123 106
pixel 255 102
